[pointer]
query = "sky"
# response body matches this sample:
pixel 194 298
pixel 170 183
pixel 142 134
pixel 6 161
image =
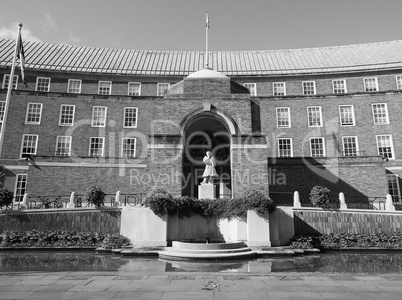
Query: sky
pixel 180 24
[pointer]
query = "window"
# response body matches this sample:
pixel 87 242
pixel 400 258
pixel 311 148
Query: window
pixel 308 87
pixel 130 117
pixel 105 88
pixel 252 87
pixel 34 111
pixel 339 86
pixel 6 80
pixel 74 86
pixel 285 147
pixel 380 113
pixel 370 84
pixel 279 89
pixel 385 146
pixel 162 89
pixel 134 89
pixel 20 186
pixel 99 116
pixel 96 146
pixel 63 145
pixel 283 117
pixel 42 84
pixel 393 187
pixel 317 148
pixel 128 149
pixel 2 109
pixel 399 82
pixel 66 115
pixel 346 115
pixel 29 145
pixel 350 147
pixel 314 116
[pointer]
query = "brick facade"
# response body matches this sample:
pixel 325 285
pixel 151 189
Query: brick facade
pixel 210 105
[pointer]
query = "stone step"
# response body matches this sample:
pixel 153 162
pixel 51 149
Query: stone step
pixel 208 251
pixel 205 256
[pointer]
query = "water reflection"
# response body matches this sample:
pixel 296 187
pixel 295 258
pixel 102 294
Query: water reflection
pixel 379 263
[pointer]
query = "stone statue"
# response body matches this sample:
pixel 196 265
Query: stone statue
pixel 209 172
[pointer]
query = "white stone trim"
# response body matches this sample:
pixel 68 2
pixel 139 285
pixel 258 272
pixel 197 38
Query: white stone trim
pixel 91 165
pixel 165 146
pixel 240 146
pixel 14 167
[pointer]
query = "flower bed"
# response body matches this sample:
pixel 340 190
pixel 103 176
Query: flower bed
pixel 348 241
pixel 52 239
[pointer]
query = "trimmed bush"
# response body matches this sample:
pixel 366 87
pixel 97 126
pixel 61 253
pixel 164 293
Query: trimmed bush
pixel 95 195
pixel 348 240
pixel 162 203
pixel 6 197
pixel 35 238
pixel 319 195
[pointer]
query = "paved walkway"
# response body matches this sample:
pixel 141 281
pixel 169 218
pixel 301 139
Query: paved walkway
pixel 186 285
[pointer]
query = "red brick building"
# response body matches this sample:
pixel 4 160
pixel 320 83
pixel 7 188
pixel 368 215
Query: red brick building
pixel 130 120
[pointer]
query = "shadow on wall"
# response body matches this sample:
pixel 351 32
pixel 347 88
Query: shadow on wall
pixel 358 178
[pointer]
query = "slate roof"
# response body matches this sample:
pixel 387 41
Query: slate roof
pixel 361 57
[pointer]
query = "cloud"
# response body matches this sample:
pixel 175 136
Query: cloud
pixel 73 39
pixel 11 33
pixel 47 24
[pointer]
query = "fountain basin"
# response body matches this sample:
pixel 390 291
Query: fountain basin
pixel 204 251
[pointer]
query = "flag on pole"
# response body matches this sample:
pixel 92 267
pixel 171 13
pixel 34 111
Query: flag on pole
pixel 207 21
pixel 21 57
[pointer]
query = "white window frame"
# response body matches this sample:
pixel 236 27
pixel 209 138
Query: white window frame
pixel 291 147
pixel 42 88
pixel 61 115
pixel 309 121
pixel 22 154
pixel 304 88
pixel 159 91
pixel 90 146
pixel 336 89
pixel 125 116
pixel 70 86
pixel 57 151
pixel 391 146
pixel 94 119
pixel 27 113
pixel 367 86
pixel 2 109
pixel 18 196
pixel 130 90
pixel 278 119
pixel 376 121
pixel 398 79
pixel 351 151
pixel 277 86
pixel 252 87
pixel 6 80
pixel 343 117
pixel 123 150
pixel 391 179
pixel 101 88
pixel 323 146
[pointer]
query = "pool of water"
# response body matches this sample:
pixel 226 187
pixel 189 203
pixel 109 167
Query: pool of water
pixel 333 262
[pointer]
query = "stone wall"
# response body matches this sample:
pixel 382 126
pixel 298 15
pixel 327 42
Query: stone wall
pixel 79 220
pixel 318 221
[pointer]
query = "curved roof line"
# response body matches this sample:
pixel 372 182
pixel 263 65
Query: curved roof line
pixel 336 59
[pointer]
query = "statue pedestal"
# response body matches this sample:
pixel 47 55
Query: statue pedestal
pixel 206 191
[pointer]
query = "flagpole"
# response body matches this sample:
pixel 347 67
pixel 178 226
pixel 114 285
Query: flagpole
pixel 10 87
pixel 206 44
